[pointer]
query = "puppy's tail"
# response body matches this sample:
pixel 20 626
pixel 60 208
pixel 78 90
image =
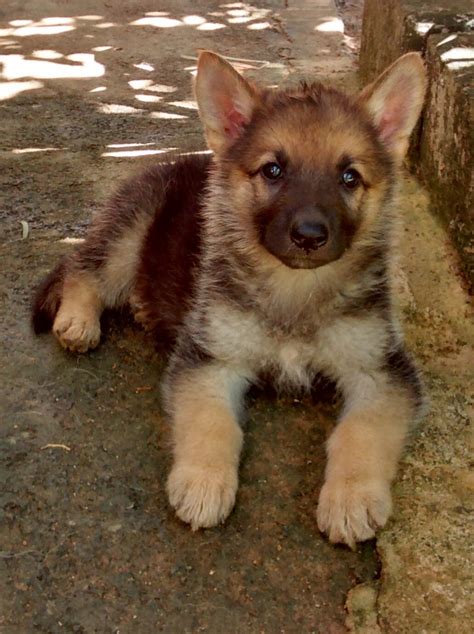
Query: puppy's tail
pixel 47 299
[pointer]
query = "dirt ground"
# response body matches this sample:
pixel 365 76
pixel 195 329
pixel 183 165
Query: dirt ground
pixel 90 91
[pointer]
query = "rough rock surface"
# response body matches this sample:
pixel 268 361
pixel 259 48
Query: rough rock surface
pixel 447 139
pixel 394 27
pixel 442 146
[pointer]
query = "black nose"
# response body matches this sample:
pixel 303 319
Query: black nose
pixel 309 235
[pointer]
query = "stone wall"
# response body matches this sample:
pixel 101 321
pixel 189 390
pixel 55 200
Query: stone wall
pixel 442 146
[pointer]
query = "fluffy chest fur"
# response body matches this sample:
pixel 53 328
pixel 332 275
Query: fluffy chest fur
pixel 341 345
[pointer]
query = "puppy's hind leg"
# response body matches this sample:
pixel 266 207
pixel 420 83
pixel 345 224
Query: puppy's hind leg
pixel 77 322
pixel 68 302
pixel 99 274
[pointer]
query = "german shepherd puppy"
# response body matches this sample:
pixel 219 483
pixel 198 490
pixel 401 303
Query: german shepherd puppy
pixel 273 256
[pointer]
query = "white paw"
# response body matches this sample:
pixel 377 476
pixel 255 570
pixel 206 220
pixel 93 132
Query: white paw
pixel 352 512
pixel 77 333
pixel 202 496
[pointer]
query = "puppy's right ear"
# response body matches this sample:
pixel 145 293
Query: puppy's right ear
pixel 226 101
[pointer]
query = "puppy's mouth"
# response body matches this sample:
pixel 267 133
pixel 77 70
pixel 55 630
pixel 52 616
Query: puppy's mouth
pixel 301 262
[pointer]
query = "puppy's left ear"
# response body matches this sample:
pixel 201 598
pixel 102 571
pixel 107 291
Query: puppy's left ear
pixel 226 101
pixel 395 101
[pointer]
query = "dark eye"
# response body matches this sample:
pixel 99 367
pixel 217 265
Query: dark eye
pixel 350 178
pixel 272 171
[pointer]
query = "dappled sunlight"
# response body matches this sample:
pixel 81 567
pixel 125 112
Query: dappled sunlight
pixel 125 145
pixel 11 89
pixel 259 26
pixel 140 83
pixel 167 115
pixel 330 25
pixel 133 150
pixel 84 66
pixel 447 39
pixel 157 13
pixel 164 22
pixel 29 150
pixel 245 14
pixel 20 22
pixel 161 22
pixel 56 21
pixel 72 240
pixel 242 20
pixel 34 150
pixel 47 54
pixel 237 12
pixel 133 153
pixel 147 84
pixel 91 18
pixel 188 104
pixel 46 26
pixel 211 26
pixel 458 53
pixel 193 20
pixel 195 152
pixel 161 88
pixel 139 94
pixel 458 57
pixel 116 108
pixel 105 25
pixel 422 28
pixel 454 65
pixel 145 66
pixel 148 98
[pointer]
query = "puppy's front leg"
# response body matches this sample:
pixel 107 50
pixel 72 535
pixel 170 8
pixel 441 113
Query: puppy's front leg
pixel 205 404
pixel 363 454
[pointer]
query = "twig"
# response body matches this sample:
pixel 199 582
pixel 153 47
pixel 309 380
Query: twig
pixel 56 446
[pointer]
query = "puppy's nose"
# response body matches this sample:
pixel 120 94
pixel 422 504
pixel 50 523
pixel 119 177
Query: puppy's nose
pixel 308 235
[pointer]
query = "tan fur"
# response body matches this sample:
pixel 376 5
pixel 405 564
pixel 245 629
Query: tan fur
pixel 363 454
pixel 85 295
pixel 77 323
pixel 207 439
pixel 118 276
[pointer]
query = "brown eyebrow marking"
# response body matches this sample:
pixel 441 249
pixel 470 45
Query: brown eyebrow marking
pixel 345 161
pixel 282 158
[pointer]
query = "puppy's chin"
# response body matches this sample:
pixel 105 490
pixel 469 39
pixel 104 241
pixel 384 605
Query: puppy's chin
pixel 297 260
pixel 294 262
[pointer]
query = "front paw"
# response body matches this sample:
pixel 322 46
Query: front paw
pixel 202 496
pixel 350 512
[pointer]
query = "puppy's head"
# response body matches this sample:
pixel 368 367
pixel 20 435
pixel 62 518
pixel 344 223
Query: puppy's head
pixel 308 169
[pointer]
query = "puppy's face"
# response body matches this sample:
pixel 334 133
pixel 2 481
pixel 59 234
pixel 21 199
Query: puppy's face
pixel 304 172
pixel 308 168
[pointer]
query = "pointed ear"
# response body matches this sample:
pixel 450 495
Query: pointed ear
pixel 395 101
pixel 226 101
